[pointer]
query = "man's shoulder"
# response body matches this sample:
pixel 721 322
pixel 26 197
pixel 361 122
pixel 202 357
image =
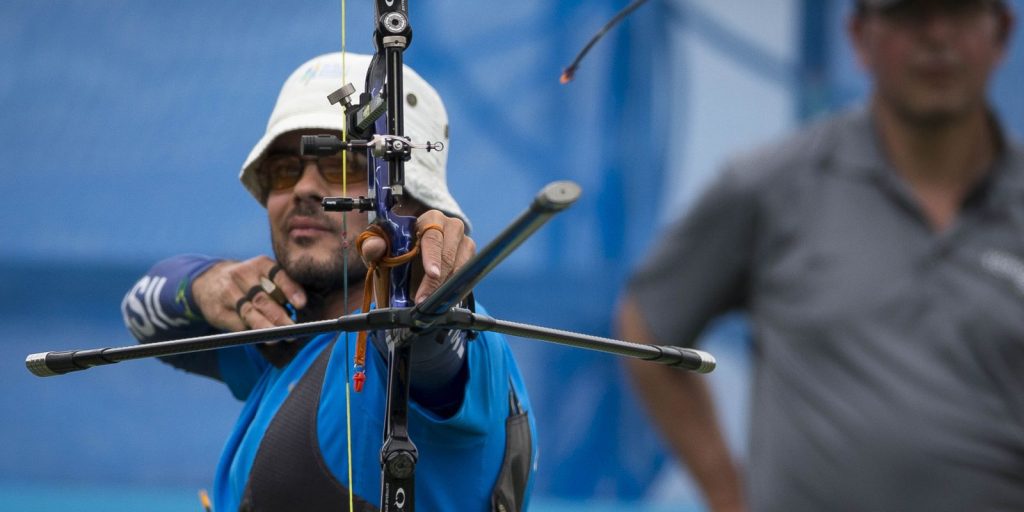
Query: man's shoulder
pixel 1014 155
pixel 802 151
pixel 1011 181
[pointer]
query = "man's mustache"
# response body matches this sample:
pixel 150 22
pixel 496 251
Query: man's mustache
pixel 938 57
pixel 311 210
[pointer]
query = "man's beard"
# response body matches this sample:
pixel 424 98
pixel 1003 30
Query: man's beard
pixel 320 279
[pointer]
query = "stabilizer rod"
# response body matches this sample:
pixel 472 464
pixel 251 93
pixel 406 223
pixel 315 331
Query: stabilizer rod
pixel 553 198
pixel 686 358
pixel 46 364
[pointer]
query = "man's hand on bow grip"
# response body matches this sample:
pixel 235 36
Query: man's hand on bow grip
pixel 441 251
pixel 220 292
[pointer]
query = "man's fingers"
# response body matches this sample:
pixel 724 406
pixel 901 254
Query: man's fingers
pixel 466 251
pixel 448 239
pixel 236 296
pixel 252 317
pixel 215 294
pixel 431 256
pixel 441 250
pixel 432 253
pixel 443 246
pixel 248 273
pixel 454 237
pixel 269 309
pixel 293 291
pixel 228 320
pixel 373 249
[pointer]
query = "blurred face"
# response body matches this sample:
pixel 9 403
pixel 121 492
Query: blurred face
pixel 308 242
pixel 931 59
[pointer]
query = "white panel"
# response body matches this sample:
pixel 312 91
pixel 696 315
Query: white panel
pixel 724 106
pixel 771 24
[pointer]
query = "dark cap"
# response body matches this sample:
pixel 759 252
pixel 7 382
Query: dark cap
pixel 879 4
pixel 884 4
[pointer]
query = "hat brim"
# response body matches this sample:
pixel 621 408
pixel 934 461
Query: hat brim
pixel 249 175
pixel 430 194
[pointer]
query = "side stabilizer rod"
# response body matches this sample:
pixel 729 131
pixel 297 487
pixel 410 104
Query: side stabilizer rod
pixel 46 364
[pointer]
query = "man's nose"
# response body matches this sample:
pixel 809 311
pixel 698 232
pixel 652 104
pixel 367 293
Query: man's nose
pixel 311 183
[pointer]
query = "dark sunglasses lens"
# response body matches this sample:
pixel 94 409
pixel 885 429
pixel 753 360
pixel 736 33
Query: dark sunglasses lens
pixel 331 170
pixel 918 10
pixel 283 172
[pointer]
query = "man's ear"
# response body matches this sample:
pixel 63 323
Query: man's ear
pixel 855 31
pixel 1007 23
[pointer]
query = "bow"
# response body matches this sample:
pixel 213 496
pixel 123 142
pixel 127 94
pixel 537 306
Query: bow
pixel 376 125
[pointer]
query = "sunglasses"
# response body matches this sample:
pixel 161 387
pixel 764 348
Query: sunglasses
pixel 283 171
pixel 916 11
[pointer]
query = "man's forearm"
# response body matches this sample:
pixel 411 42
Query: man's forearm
pixel 159 307
pixel 681 407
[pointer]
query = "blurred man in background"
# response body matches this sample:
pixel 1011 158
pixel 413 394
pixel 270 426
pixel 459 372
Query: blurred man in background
pixel 880 256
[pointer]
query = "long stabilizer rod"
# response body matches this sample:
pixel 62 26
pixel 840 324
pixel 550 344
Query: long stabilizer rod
pixel 553 198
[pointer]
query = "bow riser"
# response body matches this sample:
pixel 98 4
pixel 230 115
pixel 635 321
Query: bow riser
pixel 398 454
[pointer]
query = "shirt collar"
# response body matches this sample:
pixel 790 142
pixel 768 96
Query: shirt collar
pixel 856 147
pixel 857 152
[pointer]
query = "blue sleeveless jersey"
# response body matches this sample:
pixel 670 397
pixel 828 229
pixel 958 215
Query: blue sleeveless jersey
pixel 459 457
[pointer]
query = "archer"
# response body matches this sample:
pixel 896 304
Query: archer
pixel 469 411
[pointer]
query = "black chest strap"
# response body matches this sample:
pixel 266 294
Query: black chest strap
pixel 289 472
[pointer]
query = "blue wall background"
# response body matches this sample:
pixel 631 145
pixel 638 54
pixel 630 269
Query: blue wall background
pixel 124 124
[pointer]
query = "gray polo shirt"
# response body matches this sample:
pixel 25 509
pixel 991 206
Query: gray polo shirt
pixel 889 357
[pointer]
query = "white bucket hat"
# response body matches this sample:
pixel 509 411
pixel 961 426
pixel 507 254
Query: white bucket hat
pixel 303 104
